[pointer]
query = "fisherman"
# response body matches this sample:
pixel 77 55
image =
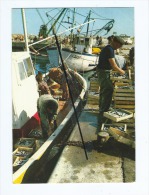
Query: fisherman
pixel 47 108
pixel 58 76
pixel 105 64
pixel 42 85
pixel 120 60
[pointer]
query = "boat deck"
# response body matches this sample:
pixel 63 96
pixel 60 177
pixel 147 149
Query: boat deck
pixel 108 164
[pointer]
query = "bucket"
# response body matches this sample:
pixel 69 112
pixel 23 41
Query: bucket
pixel 103 137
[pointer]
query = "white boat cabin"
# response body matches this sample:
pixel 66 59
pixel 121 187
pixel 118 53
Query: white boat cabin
pixel 83 44
pixel 24 89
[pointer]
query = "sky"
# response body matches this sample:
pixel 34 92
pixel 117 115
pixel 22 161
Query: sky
pixel 123 16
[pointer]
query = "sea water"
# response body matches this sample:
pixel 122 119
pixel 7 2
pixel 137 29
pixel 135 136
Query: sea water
pixel 45 67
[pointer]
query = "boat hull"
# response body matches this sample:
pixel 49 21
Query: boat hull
pixel 31 170
pixel 76 61
pixel 80 62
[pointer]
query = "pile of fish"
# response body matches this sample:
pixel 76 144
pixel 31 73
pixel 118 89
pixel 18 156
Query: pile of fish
pixel 117 75
pixel 20 162
pixel 106 128
pixel 25 142
pixel 116 112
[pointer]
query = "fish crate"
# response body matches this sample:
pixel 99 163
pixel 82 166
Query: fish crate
pixel 118 127
pixel 129 122
pixel 23 152
pixel 19 162
pixel 35 133
pixel 93 98
pixel 25 142
pixel 122 137
pixel 124 98
pixel 94 85
pixel 116 76
pixel 118 114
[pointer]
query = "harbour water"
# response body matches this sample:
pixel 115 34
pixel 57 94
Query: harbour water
pixel 44 68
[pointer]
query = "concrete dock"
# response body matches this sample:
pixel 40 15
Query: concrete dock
pixel 112 163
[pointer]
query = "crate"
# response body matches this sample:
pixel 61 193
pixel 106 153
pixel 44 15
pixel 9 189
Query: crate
pixel 93 98
pixel 129 122
pixel 94 85
pixel 118 114
pixel 116 76
pixel 119 127
pixel 122 137
pixel 25 142
pixel 23 152
pixel 124 98
pixel 19 162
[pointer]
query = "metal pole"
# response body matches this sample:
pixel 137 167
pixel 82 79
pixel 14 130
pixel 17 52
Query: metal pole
pixel 70 93
pixel 25 29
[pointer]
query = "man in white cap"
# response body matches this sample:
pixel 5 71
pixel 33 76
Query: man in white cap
pixel 47 108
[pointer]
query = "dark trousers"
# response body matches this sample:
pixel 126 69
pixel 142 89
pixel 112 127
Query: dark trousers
pixel 105 95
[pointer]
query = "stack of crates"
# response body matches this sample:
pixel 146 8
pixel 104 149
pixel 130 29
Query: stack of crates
pixel 93 92
pixel 24 148
pixel 124 96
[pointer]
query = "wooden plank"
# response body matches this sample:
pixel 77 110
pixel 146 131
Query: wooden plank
pixel 93 95
pixel 124 90
pixel 120 79
pixel 131 110
pixel 116 102
pixel 115 94
pixel 94 87
pixel 123 98
pixel 124 106
pixel 92 103
pixel 94 83
pixel 130 120
pixel 121 84
pixel 122 123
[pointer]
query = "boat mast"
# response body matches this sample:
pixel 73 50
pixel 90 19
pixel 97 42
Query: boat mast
pixel 73 21
pixel 63 10
pixel 88 23
pixel 25 29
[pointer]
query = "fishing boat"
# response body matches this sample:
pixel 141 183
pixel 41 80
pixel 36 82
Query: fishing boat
pixel 84 57
pixel 81 58
pixel 30 151
pixel 26 119
pixel 82 51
